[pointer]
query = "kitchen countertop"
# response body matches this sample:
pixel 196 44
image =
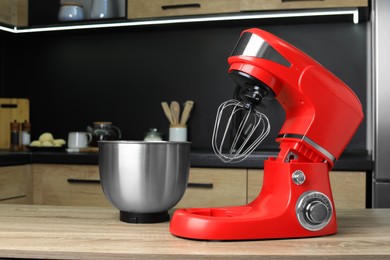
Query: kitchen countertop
pixel 349 161
pixel 58 232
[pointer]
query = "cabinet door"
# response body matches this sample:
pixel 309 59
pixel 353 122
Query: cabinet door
pixel 255 181
pixel 15 184
pixel 209 187
pixel 163 8
pixel 260 5
pixel 348 188
pixel 70 185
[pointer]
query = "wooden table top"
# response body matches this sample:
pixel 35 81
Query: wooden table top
pixel 57 232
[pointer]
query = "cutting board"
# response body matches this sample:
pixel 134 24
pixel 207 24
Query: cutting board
pixel 12 109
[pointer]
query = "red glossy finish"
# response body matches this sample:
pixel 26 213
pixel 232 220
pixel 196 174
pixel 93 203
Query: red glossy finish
pixel 318 105
pixel 271 215
pixel 322 115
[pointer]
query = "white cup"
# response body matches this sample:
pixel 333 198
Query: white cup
pixel 178 134
pixel 79 139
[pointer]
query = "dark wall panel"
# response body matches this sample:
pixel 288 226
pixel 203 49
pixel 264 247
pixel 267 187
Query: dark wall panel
pixel 75 78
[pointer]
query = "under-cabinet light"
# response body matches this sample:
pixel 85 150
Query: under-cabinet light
pixel 231 17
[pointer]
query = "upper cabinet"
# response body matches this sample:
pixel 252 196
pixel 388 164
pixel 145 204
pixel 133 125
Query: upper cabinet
pixel 271 5
pixel 164 8
pixel 25 15
pixel 168 8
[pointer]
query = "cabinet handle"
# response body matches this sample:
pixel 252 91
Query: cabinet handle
pixel 9 105
pixel 200 185
pixel 71 180
pixel 179 6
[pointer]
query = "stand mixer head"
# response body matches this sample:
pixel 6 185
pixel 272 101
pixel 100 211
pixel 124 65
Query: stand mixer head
pixel 322 115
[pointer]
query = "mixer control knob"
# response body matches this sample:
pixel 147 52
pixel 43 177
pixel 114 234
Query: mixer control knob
pixel 314 210
pixel 298 177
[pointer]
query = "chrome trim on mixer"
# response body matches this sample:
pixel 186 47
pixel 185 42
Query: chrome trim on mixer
pixel 311 143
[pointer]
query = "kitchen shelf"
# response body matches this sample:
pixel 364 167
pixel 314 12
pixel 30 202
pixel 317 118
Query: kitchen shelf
pixel 350 13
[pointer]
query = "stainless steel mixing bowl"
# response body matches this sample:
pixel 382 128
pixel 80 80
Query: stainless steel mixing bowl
pixel 144 179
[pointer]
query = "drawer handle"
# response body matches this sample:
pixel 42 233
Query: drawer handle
pixel 190 185
pixel 180 6
pixel 71 180
pixel 9 105
pixel 200 185
pixel 12 198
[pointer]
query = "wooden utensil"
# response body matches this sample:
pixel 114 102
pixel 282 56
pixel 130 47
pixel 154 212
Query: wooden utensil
pixel 186 112
pixel 167 111
pixel 175 111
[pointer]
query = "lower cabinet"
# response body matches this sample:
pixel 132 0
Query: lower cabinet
pixel 71 185
pixel 79 185
pixel 15 184
pixel 348 188
pixel 209 187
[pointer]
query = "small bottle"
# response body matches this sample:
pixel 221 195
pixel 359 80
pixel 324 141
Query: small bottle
pixel 26 134
pixel 14 141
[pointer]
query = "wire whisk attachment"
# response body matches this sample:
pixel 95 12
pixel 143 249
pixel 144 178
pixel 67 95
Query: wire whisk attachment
pixel 249 128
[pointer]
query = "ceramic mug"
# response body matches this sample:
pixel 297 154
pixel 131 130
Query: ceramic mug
pixel 71 11
pixel 79 139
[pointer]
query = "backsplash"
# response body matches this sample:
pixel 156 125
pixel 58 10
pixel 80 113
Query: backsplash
pixel 121 75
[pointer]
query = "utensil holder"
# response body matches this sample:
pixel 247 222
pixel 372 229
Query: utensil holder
pixel 178 133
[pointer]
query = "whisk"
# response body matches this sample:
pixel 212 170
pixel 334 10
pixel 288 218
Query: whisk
pixel 243 143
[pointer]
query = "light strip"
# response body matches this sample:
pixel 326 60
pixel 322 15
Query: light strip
pixel 285 14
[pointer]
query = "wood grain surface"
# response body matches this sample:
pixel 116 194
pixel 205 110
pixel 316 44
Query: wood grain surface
pixel 55 232
pixel 12 109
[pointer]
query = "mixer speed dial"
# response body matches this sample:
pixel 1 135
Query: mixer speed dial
pixel 314 210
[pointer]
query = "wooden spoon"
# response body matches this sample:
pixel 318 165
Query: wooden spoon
pixel 175 111
pixel 186 112
pixel 167 111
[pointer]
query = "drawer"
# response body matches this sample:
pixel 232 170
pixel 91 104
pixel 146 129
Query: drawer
pixel 255 182
pixel 215 188
pixel 15 184
pixel 164 8
pixel 348 188
pixel 69 185
pixel 258 5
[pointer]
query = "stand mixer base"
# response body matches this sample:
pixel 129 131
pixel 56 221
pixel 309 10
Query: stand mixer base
pixel 284 209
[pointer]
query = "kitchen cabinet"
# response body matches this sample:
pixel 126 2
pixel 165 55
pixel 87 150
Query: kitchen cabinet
pixel 41 15
pixel 23 13
pixel 348 188
pixel 64 184
pixel 214 187
pixel 15 184
pixel 256 5
pixel 78 185
pixel 164 8
pixel 157 8
pixel 14 12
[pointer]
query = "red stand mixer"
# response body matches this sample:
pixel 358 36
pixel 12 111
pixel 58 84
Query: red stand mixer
pixel 322 115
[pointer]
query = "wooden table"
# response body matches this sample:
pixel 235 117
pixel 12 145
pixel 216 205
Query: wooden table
pixel 54 232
